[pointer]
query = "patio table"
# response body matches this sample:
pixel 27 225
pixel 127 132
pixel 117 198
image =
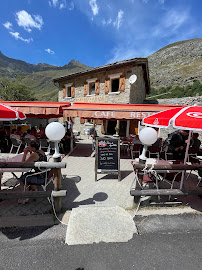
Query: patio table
pixel 12 158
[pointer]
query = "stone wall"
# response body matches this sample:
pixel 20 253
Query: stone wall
pixel 134 94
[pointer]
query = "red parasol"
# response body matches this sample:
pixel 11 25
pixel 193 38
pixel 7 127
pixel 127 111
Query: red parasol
pixel 189 118
pixel 180 118
pixel 10 114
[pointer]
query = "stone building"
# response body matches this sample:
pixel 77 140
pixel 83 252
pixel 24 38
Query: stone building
pixel 120 82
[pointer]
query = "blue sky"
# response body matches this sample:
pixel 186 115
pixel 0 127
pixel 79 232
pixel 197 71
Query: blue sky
pixel 94 32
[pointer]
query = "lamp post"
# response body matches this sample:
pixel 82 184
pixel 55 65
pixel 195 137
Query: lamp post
pixel 147 136
pixel 55 131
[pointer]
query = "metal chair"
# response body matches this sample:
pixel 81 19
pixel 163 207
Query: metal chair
pixel 135 149
pixel 15 144
pixel 168 155
pixel 43 144
pixel 43 185
pixel 154 150
pixel 192 153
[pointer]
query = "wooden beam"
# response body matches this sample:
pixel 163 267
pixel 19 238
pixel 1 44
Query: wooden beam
pixel 167 167
pixel 30 165
pixel 7 195
pixel 164 192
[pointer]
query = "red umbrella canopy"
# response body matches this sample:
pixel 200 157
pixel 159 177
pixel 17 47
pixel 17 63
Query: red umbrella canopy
pixel 10 114
pixel 180 118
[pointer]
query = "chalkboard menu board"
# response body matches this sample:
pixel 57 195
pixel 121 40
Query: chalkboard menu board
pixel 107 155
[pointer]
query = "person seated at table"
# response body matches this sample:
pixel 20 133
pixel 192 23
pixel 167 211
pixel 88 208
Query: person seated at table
pixel 34 132
pixel 42 133
pixel 136 140
pixel 14 135
pixel 3 140
pixel 196 142
pixel 33 180
pixel 66 141
pixel 19 131
pixel 177 142
pixel 30 136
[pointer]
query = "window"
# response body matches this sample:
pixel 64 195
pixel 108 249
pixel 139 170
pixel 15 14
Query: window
pixel 68 92
pixel 91 86
pixel 114 83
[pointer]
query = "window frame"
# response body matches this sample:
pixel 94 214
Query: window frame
pixel 111 78
pixel 68 85
pixel 89 82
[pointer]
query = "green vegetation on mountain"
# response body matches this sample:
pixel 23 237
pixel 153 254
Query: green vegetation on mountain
pixel 177 91
pixel 38 78
pixel 15 90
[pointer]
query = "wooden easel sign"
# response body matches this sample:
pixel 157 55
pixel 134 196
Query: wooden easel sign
pixel 107 156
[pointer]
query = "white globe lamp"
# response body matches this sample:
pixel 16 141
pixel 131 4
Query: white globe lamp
pixel 55 131
pixel 147 136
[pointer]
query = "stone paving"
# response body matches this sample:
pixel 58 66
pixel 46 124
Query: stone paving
pixel 82 190
pixel 78 180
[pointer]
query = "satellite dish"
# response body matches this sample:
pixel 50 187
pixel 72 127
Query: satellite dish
pixel 132 79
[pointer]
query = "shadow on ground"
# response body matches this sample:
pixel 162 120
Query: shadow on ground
pixel 23 233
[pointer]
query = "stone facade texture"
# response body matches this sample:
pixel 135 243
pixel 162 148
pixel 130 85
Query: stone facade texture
pixel 133 93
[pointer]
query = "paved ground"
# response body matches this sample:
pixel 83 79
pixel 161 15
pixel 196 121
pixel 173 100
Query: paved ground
pixel 82 190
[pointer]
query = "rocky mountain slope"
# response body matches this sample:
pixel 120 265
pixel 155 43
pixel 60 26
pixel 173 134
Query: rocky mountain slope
pixel 176 64
pixel 39 77
pixel 179 63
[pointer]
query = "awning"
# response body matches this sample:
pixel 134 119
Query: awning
pixel 114 111
pixel 39 109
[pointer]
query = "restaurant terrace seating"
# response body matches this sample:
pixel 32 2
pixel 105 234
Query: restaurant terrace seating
pixel 15 144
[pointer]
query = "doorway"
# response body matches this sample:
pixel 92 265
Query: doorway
pixel 111 127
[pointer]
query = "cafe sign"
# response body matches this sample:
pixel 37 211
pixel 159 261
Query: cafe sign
pixel 120 114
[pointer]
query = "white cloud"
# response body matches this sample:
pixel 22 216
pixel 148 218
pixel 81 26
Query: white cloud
pixel 162 1
pixel 94 7
pixel 71 6
pixel 171 23
pixel 55 2
pixel 26 21
pixel 109 21
pixel 123 52
pixel 58 3
pixel 8 25
pixel 119 19
pixel 50 51
pixel 17 36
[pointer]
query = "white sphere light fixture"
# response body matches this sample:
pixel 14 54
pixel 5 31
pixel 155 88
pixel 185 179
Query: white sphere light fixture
pixel 55 131
pixel 148 136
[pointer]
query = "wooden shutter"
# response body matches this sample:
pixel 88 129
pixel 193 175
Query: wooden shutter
pixel 73 91
pixel 107 81
pixel 82 121
pixel 97 87
pixel 64 92
pixel 122 83
pixel 85 89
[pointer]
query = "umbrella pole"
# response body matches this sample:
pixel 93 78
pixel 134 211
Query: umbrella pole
pixel 185 158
